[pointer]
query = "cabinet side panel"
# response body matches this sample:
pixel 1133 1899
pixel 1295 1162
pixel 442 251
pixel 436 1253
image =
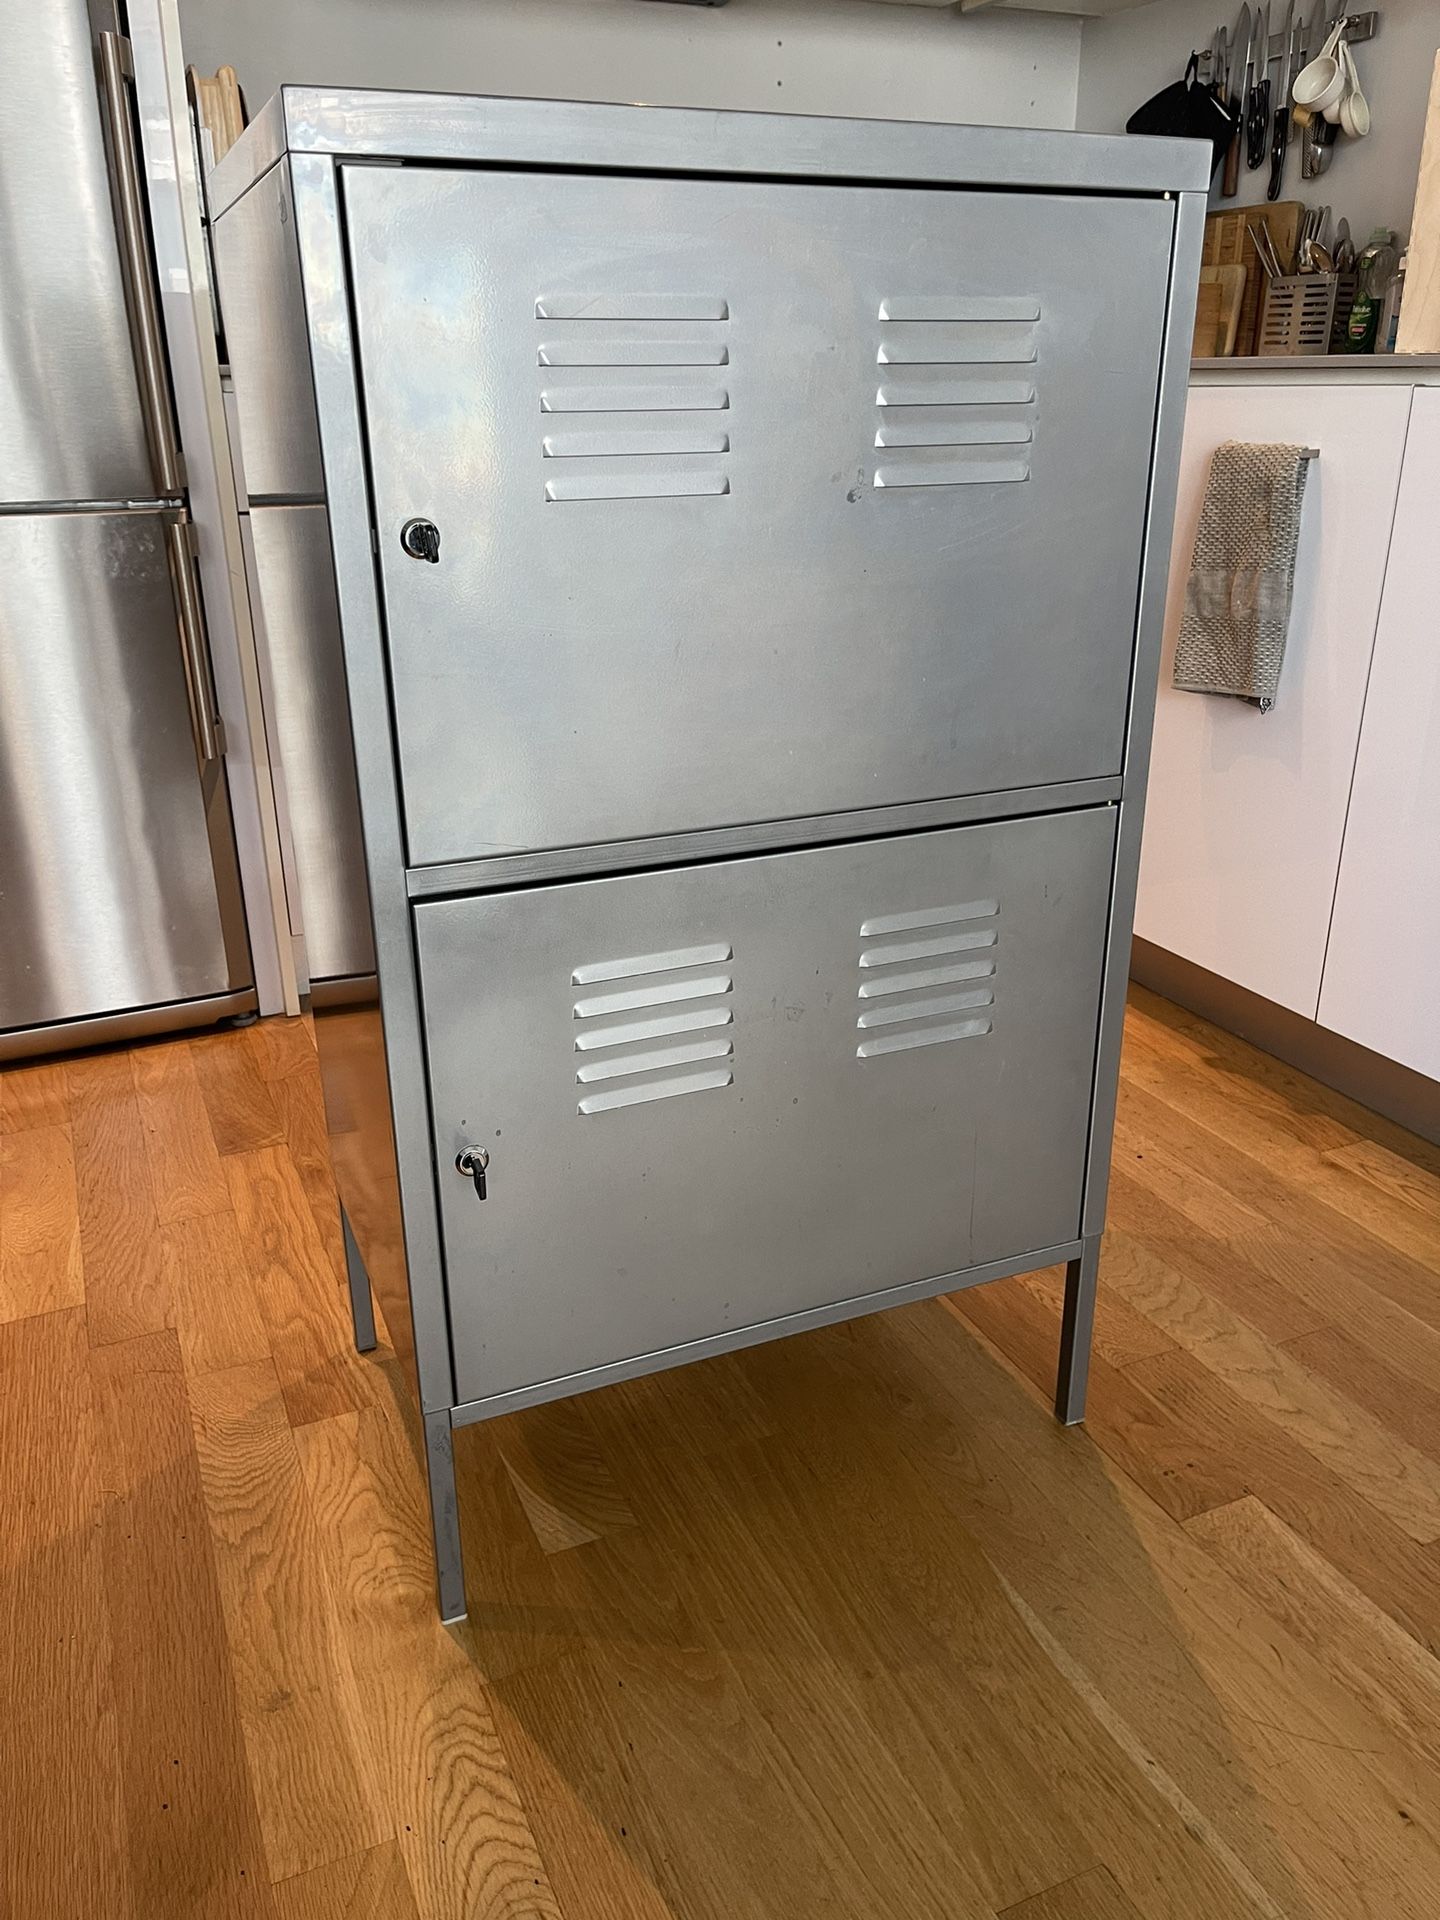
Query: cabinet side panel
pixel 386 1176
pixel 257 266
pixel 1379 983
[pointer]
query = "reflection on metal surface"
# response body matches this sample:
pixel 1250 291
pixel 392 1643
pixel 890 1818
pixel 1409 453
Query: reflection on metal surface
pixel 631 306
pixel 921 1037
pixel 959 306
pixel 643 963
pixel 108 874
pixel 71 426
pixel 636 486
pixel 924 1021
pixel 351 1045
pixel 588 352
pixel 937 417
pixel 666 1089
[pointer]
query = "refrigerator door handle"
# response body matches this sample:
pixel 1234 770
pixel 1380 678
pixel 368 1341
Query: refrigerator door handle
pixel 154 381
pixel 204 723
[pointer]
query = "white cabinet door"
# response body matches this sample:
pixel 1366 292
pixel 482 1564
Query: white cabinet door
pixel 1247 810
pixel 1380 971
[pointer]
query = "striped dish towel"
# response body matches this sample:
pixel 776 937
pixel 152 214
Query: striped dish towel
pixel 1242 574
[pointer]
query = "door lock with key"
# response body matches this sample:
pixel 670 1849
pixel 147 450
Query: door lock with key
pixel 421 540
pixel 472 1162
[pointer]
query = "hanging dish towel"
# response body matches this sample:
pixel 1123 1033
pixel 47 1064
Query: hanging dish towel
pixel 1242 575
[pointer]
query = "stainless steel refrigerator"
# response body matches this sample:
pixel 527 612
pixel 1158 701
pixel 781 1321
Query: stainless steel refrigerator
pixel 119 899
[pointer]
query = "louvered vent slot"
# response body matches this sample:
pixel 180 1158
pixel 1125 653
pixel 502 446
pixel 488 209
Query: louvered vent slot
pixel 956 398
pixel 630 385
pixel 926 977
pixel 656 1026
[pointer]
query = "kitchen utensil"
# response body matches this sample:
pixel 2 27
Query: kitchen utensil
pixel 1354 107
pixel 1296 314
pixel 1280 132
pixel 1227 243
pixel 1236 76
pixel 1217 311
pixel 1320 84
pixel 1189 110
pixel 1257 104
pixel 1344 247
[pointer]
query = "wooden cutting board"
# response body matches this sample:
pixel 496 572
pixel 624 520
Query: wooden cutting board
pixel 1217 311
pixel 1420 311
pixel 1227 244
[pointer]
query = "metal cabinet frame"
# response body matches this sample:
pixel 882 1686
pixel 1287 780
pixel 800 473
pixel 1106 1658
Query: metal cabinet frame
pixel 311 132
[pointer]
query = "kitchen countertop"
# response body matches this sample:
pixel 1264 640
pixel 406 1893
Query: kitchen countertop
pixel 1332 369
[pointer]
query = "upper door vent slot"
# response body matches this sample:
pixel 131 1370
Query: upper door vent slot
pixel 613 357
pixel 657 1029
pixel 926 977
pixel 957 409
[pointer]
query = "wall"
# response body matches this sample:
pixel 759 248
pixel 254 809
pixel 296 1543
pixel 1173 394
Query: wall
pixel 849 57
pixel 1129 56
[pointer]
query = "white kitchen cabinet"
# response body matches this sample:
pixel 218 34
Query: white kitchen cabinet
pixel 1246 812
pixel 1381 970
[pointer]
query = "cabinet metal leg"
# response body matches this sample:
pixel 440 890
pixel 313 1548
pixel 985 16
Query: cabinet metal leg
pixel 362 1305
pixel 444 1515
pixel 1075 1331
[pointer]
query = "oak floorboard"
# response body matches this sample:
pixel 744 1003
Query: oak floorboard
pixel 242 1111
pixel 1393 1476
pixel 33 1096
pixel 364 1886
pixel 186 1176
pixel 1399 1576
pixel 125 1290
pixel 1407 1407
pixel 840 1626
pixel 1089 1896
pixel 40 1264
pixel 1296 1784
pixel 432 1749
pixel 193 1835
pixel 295 1702
pixel 1135 1430
pixel 62 1846
pixel 1360 1645
pixel 299 1292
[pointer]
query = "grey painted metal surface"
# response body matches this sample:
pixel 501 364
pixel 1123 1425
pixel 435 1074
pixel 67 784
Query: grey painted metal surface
pixel 711 1095
pixel 761 836
pixel 659 1359
pixel 110 897
pixel 400 1158
pixel 1149 630
pixel 258 274
pixel 301 626
pixel 368 123
pixel 560 1009
pixel 841 444
pixel 1077 1326
pixel 71 425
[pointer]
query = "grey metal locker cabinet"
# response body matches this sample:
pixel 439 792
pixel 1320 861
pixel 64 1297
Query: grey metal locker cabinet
pixel 749 537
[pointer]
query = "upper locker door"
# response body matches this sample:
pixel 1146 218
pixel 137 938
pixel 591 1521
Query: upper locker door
pixel 754 500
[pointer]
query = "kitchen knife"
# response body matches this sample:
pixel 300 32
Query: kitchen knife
pixel 1257 106
pixel 1280 131
pixel 1230 178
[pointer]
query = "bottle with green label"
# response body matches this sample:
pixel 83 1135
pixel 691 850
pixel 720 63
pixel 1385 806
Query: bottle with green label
pixel 1373 271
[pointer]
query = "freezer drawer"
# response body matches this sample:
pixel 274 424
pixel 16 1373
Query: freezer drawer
pixel 109 896
pixel 755 500
pixel 719 1094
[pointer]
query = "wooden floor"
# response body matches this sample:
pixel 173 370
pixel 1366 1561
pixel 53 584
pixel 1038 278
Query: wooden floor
pixel 844 1626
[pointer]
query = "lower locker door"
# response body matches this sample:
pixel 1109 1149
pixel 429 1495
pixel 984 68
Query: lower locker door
pixel 721 1094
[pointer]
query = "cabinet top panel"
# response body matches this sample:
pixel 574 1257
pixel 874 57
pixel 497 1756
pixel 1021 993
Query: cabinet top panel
pixel 375 124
